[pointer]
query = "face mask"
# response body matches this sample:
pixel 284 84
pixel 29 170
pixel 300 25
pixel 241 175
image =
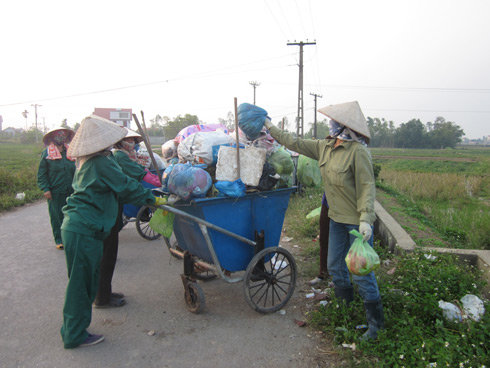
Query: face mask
pixel 335 128
pixel 59 137
pixel 128 146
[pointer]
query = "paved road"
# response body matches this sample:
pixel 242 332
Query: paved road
pixel 153 330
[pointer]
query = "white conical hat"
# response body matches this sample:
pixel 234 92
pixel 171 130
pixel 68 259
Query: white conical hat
pixel 133 134
pixel 94 135
pixel 47 136
pixel 348 114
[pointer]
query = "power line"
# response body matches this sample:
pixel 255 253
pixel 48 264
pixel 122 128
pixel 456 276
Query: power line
pixel 214 73
pixel 275 19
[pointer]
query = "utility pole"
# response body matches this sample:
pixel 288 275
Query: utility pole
pixel 254 84
pixel 314 124
pixel 300 117
pixel 35 112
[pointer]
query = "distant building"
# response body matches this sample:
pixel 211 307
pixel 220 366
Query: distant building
pixel 121 117
pixel 1 121
pixel 12 131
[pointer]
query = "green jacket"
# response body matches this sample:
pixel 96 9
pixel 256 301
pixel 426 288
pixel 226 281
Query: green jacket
pixel 92 208
pixel 55 175
pixel 128 166
pixel 347 173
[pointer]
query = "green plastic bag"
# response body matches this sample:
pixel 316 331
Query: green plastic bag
pixel 162 222
pixel 315 213
pixel 361 258
pixel 281 161
pixel 308 172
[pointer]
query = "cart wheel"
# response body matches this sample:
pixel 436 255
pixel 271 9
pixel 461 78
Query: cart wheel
pixel 270 279
pixel 143 224
pixel 194 297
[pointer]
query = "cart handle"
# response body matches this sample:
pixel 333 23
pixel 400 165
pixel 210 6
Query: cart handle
pixel 207 224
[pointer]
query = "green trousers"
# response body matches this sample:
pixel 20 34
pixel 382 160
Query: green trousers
pixel 55 215
pixel 83 254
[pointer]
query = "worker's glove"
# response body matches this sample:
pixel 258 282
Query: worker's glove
pixel 160 201
pixel 268 123
pixel 366 230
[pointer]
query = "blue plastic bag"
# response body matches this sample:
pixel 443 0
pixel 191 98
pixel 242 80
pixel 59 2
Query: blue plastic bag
pixel 187 181
pixel 251 120
pixel 230 188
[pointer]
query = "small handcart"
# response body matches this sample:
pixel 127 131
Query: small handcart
pixel 214 236
pixel 141 216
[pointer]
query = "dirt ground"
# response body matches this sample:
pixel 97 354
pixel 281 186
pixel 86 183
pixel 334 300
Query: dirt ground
pixel 154 329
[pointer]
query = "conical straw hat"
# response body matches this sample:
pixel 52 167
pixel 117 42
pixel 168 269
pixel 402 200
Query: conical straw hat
pixel 94 135
pixel 133 134
pixel 47 136
pixel 348 114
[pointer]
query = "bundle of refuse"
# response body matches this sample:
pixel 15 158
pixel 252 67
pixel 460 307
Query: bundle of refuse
pixel 201 161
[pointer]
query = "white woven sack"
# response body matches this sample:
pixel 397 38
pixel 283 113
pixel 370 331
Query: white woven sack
pixel 252 161
pixel 198 147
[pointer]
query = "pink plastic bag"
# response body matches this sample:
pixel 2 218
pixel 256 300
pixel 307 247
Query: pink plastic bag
pixel 152 179
pixel 191 129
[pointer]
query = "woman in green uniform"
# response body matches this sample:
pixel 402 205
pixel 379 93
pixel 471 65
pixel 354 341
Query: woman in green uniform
pixel 89 215
pixel 125 156
pixel 54 176
pixel 347 172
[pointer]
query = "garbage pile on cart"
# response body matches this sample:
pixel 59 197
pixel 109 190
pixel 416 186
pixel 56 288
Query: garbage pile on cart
pixel 201 161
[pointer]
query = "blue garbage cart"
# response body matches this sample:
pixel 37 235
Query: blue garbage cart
pixel 225 235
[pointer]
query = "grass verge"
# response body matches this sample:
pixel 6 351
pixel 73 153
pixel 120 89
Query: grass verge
pixel 411 285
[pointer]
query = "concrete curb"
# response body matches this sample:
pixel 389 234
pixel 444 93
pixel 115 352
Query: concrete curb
pixel 397 240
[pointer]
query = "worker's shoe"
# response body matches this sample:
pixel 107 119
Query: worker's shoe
pixel 375 319
pixel 92 340
pixel 60 246
pixel 315 281
pixel 345 294
pixel 113 303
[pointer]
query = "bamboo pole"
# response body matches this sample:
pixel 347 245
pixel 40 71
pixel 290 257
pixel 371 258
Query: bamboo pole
pixel 237 139
pixel 147 143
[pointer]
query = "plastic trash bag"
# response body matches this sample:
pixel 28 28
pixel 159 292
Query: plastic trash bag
pixel 314 213
pixel 281 161
pixel 308 172
pixel 361 258
pixel 169 150
pixel 162 222
pixel 251 120
pixel 473 307
pixel 268 179
pixel 198 147
pixel 230 188
pixel 191 129
pixel 187 181
pixel 165 176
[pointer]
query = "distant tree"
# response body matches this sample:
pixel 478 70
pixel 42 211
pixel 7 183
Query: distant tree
pixel 29 136
pixel 76 126
pixel 173 127
pixel 411 135
pixel 444 134
pixel 321 130
pixel 382 132
pixel 229 122
pixel 64 124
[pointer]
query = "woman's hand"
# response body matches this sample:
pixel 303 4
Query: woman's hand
pixel 48 195
pixel 366 230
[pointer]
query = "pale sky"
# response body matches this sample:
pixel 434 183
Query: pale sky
pixel 400 59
